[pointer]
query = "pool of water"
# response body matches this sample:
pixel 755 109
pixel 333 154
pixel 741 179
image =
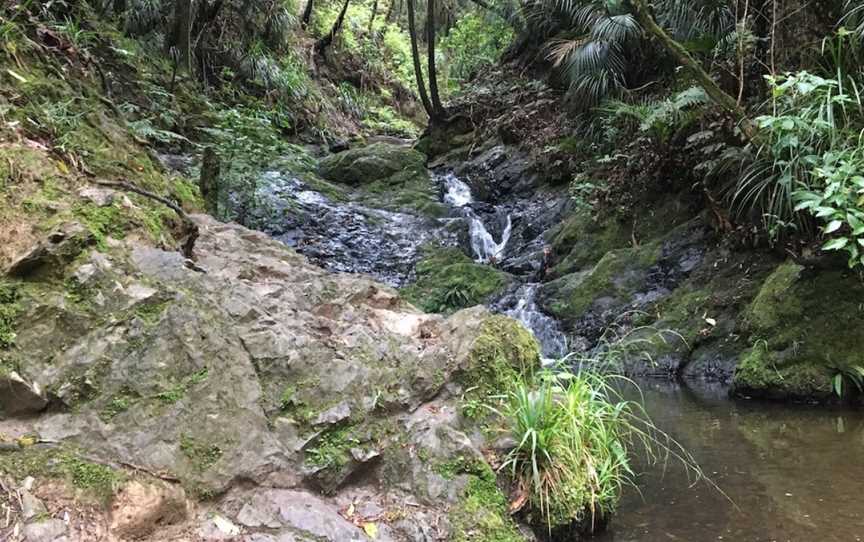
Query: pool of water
pixel 791 473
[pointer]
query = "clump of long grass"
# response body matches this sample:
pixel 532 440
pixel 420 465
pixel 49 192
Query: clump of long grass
pixel 575 435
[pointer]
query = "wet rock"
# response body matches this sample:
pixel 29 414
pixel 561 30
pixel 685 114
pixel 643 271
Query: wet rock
pixel 18 397
pixel 375 162
pixel 53 253
pixel 139 508
pixel 804 329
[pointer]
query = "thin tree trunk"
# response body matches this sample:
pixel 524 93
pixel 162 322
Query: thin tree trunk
pixel 180 36
pixel 418 69
pixel 307 14
pixel 717 94
pixel 389 16
pixel 374 13
pixel 327 40
pixel 433 72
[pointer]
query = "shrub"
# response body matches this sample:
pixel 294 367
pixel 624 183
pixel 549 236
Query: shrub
pixel 574 435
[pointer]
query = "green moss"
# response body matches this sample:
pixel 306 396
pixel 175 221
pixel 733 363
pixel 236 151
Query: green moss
pixel 151 312
pixel 93 479
pixel 481 515
pixel 118 404
pixel 201 455
pixel 448 280
pixel 805 328
pixel 618 275
pixel 332 449
pixel 503 353
pixel 98 480
pixel 179 390
pixel 463 465
pixel 9 311
pixel 103 222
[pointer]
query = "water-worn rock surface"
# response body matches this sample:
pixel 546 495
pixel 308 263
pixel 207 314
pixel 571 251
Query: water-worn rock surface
pixel 254 369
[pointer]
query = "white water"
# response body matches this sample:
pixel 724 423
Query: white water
pixel 546 329
pixel 486 250
pixel 484 246
pixel 458 194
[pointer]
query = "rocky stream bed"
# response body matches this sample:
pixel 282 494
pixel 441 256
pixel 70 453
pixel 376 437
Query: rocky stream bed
pixel 310 381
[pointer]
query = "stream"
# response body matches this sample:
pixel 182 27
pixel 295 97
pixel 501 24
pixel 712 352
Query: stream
pixel 789 473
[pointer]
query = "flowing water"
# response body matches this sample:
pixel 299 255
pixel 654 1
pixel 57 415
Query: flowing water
pixel 790 472
pixel 787 473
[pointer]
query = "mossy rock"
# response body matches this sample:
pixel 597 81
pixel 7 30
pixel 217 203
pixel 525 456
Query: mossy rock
pixel 608 285
pixel 449 280
pixel 503 353
pixel 805 328
pixel 583 238
pixel 375 162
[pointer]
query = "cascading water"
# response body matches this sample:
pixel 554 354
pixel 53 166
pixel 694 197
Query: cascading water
pixel 486 250
pixel 519 304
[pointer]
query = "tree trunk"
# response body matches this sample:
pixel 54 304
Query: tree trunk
pixel 307 14
pixel 327 40
pixel 208 182
pixel 433 73
pixel 418 69
pixel 180 36
pixel 717 94
pixel 372 18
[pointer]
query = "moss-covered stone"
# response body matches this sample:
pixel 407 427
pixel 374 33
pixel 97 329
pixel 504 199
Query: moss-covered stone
pixel 503 353
pixel 9 310
pixel 482 514
pixel 583 238
pixel 448 280
pixel 375 162
pixel 805 328
pixel 614 280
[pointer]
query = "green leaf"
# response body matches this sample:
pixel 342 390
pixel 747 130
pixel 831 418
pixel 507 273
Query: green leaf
pixel 836 244
pixel 833 226
pixel 825 211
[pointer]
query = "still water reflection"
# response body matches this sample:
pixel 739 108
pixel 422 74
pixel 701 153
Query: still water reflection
pixel 795 473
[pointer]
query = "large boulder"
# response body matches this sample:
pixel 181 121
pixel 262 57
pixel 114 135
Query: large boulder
pixel 805 330
pixel 391 177
pixel 375 162
pixel 255 369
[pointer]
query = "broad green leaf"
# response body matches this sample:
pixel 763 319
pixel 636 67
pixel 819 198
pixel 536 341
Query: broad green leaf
pixel 833 226
pixel 836 244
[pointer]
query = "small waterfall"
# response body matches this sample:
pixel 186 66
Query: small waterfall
pixel 523 307
pixel 486 250
pixel 483 244
pixel 457 194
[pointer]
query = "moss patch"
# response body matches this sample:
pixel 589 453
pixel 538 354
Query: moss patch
pixel 616 277
pixel 9 311
pixel 94 480
pixel 805 327
pixel 481 515
pixel 201 455
pixel 448 280
pixel 503 353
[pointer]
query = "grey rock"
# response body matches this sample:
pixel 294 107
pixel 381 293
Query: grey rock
pixel 31 506
pixel 53 253
pixel 18 397
pixel 51 530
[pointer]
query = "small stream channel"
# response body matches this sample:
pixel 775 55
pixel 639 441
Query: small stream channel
pixel 789 473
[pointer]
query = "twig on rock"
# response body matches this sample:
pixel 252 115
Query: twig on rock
pixel 190 225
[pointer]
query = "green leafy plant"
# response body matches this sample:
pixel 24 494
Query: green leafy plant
pixel 574 435
pixel 660 119
pixel 805 155
pixel 853 374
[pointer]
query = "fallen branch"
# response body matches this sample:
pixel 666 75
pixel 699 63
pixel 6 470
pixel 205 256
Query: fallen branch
pixel 190 225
